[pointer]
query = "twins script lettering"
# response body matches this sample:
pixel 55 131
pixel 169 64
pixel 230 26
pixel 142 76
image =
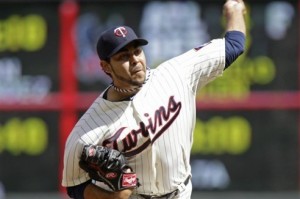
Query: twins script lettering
pixel 156 125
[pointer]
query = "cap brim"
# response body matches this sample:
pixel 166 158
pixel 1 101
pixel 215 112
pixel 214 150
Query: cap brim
pixel 140 42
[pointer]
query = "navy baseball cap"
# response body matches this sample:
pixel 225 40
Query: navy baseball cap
pixel 114 39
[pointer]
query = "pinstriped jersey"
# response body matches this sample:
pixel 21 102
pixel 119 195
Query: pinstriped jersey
pixel 155 128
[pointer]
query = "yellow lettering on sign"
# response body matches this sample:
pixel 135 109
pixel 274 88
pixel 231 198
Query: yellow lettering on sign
pixel 222 136
pixel 14 136
pixel 36 136
pixel 36 31
pixel 240 135
pixel 28 33
pixel 28 137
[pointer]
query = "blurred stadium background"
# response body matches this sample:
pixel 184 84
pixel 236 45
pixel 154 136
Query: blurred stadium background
pixel 246 143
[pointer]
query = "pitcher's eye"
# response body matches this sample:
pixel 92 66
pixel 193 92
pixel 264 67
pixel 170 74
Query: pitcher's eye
pixel 123 56
pixel 137 51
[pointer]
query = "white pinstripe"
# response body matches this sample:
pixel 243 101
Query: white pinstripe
pixel 170 90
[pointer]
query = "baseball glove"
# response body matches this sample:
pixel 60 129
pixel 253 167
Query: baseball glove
pixel 108 166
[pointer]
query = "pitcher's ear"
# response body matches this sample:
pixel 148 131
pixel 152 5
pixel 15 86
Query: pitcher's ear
pixel 105 67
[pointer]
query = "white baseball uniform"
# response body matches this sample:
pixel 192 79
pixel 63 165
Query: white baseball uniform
pixel 155 128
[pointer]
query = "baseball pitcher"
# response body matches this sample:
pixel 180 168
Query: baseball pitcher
pixel 135 139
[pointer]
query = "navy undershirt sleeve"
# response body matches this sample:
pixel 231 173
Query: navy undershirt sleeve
pixel 76 192
pixel 234 46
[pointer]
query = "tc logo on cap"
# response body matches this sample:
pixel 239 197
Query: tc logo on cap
pixel 120 32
